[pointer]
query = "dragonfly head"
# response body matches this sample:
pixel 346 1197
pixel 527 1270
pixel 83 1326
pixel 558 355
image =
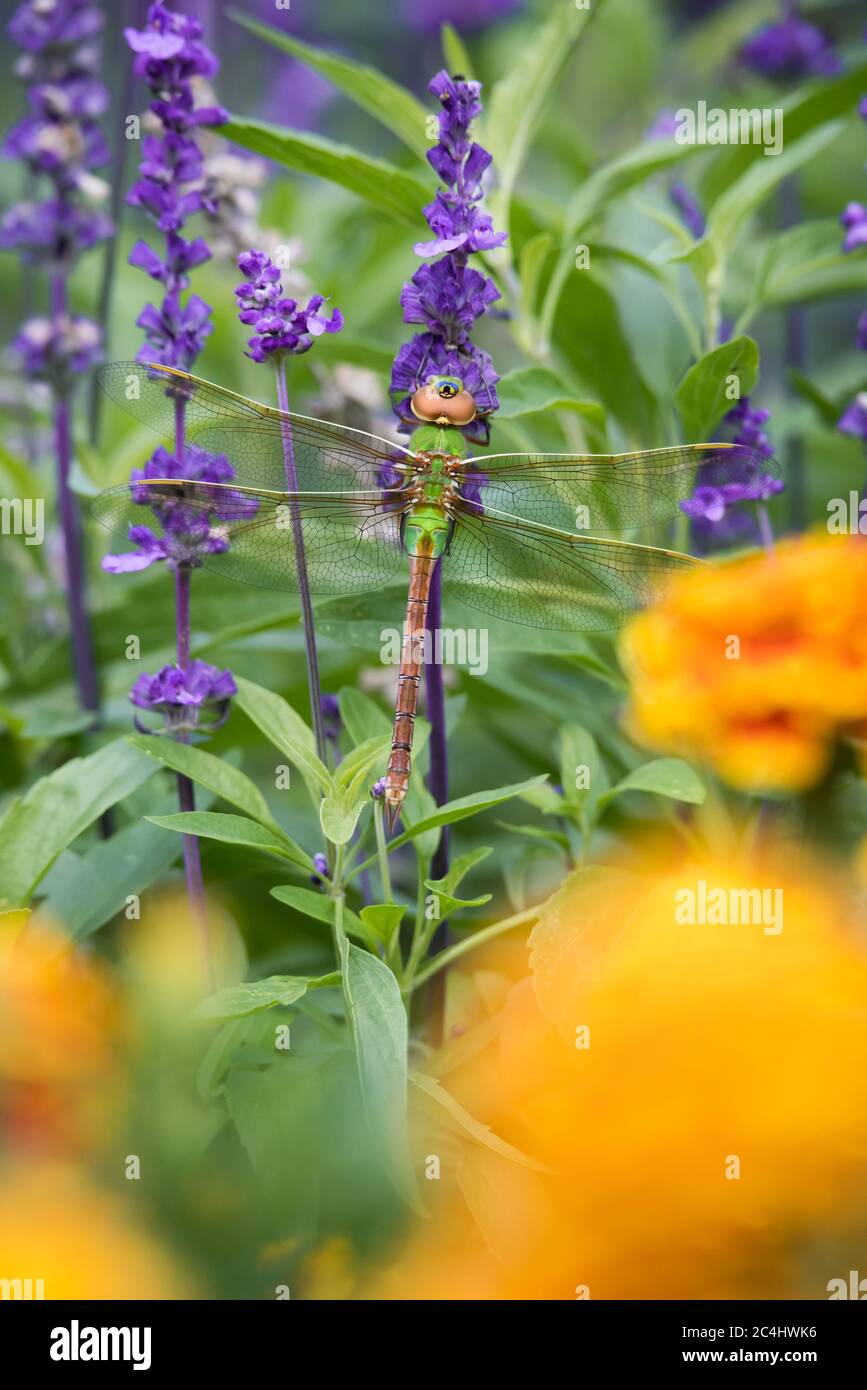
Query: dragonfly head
pixel 443 401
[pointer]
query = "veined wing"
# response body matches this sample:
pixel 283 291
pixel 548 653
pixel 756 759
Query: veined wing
pixel 606 492
pixel 251 436
pixel 533 575
pixel 351 540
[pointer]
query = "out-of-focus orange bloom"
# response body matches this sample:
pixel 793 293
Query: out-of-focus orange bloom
pixel 697 1090
pixel 59 1040
pixel 755 667
pixel 81 1242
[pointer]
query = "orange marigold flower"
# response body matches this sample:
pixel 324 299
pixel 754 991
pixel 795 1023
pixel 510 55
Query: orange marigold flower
pixel 755 667
pixel 688 1065
pixel 60 1040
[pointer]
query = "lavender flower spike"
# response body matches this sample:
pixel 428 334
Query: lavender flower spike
pixel 60 140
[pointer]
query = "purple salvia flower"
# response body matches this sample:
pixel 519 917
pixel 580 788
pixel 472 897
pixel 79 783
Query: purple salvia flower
pixel 854 418
pixel 280 324
pixel 196 697
pixel 789 49
pixel 448 298
pixel 723 485
pixel 59 139
pixel 169 55
pixel 854 219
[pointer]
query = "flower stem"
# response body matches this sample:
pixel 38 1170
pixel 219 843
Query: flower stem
pixel 186 791
pixel 382 852
pixel 313 683
pixel 82 643
pixel 469 943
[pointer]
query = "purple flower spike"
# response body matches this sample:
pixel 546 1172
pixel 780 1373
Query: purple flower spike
pixel 854 418
pixel 735 478
pixel 790 49
pixel 447 297
pixel 280 324
pixel 195 698
pixel 169 55
pixel 854 219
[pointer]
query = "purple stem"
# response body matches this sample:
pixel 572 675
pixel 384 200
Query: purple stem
pixel 82 644
pixel 313 683
pixel 765 529
pixel 186 791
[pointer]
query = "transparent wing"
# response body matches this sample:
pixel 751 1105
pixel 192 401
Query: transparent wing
pixel 528 574
pixel 606 492
pixel 351 540
pixel 252 437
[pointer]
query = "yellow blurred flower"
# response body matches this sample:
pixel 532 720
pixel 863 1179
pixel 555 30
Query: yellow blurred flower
pixel 755 667
pixel 697 1090
pixel 80 1242
pixel 59 1040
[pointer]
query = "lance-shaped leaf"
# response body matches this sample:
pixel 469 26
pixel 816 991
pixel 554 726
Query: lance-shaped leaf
pixel 250 998
pixel 320 907
pixel 466 806
pixel 57 809
pixel 388 188
pixel 385 100
pixel 286 730
pixel 670 777
pixel 212 772
pixel 236 830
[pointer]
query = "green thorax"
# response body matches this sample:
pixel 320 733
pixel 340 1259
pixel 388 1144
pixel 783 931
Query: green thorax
pixel 427 526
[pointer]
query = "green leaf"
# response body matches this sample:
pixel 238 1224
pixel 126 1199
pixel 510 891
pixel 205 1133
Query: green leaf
pixel 805 263
pixel 466 806
pixel 460 867
pixel 389 103
pixel 285 729
pixel 338 814
pixel 85 891
pixel 353 770
pixel 457 59
pixel 702 397
pixel 57 809
pixel 670 777
pixel 212 772
pixel 534 256
pixel 443 1106
pixel 808 107
pixel 362 716
pixel 530 389
pixel 377 1017
pixel 743 197
pixel 387 187
pixel 320 907
pixel 546 800
pixel 580 764
pixel 250 998
pixel 592 198
pixel 383 919
pixel 518 100
pixel 235 830
pixel 537 832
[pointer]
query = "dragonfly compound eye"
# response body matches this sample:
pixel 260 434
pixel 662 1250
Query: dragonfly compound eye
pixel 443 401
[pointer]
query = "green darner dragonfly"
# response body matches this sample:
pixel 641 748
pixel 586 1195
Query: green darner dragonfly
pixel 509 529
